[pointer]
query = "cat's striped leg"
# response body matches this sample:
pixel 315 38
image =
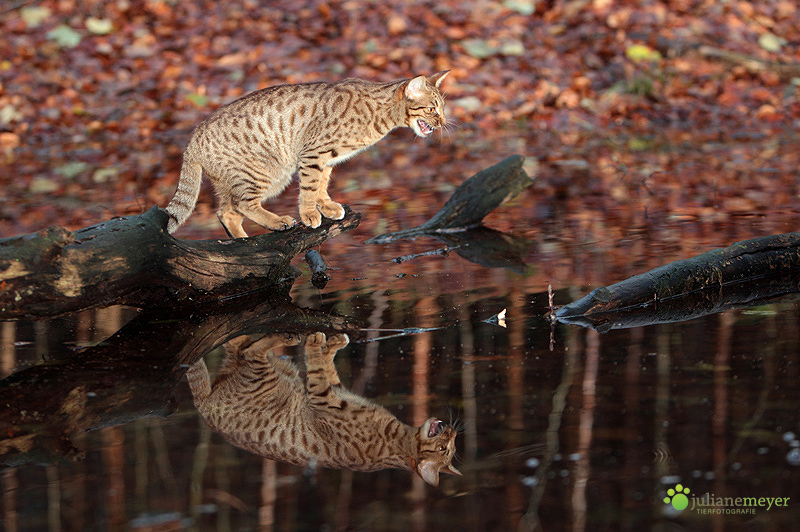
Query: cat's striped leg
pixel 318 385
pixel 328 207
pixel 231 219
pixel 310 181
pixel 199 381
pixel 333 345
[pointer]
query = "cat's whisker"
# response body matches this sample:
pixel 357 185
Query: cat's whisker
pixel 446 131
pixel 457 423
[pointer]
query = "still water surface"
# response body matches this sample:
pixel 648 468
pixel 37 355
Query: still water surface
pixel 560 427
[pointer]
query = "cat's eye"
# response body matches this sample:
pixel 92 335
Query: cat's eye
pixel 431 110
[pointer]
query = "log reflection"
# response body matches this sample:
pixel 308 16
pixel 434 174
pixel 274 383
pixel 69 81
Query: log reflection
pixel 130 374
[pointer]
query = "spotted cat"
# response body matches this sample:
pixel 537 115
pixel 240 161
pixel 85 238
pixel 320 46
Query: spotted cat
pixel 250 148
pixel 260 403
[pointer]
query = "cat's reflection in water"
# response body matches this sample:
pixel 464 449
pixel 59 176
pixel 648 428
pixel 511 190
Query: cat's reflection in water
pixel 259 402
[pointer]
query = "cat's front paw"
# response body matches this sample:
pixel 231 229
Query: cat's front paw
pixel 337 341
pixel 315 340
pixel 311 218
pixel 332 210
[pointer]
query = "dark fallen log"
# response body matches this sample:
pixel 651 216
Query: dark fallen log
pixel 748 273
pixel 471 202
pixel 134 261
pixel 459 223
pixel 134 373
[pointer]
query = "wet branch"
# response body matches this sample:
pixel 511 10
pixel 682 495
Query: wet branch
pixel 471 202
pixel 433 252
pixel 459 223
pixel 747 273
pixel 319 269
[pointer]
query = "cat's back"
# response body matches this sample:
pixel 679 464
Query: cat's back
pixel 275 98
pixel 305 100
pixel 251 392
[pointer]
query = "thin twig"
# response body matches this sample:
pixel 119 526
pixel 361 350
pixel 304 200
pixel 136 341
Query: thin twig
pixel 439 251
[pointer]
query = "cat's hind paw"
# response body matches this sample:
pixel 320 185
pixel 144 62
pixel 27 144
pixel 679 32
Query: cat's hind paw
pixel 238 344
pixel 283 223
pixel 289 339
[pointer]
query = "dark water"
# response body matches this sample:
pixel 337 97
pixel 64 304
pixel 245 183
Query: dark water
pixel 561 427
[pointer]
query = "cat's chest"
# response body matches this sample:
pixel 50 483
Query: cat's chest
pixel 347 152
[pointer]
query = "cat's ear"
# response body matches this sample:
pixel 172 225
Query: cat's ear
pixel 429 471
pixel 436 79
pixel 452 470
pixel 415 89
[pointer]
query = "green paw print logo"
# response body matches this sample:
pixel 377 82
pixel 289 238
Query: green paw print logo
pixel 677 497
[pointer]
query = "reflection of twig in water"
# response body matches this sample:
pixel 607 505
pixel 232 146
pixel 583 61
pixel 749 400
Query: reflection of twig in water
pixel 408 331
pixel 359 383
pixel 551 317
pixel 662 399
pixel 439 251
pixel 585 433
pixel 530 520
pixel 763 396
pixel 468 388
pixel 199 465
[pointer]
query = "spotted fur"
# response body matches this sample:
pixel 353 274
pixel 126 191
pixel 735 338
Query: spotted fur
pixel 260 403
pixel 250 148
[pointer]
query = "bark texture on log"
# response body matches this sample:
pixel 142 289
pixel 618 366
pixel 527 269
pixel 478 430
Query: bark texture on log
pixel 747 273
pixel 134 261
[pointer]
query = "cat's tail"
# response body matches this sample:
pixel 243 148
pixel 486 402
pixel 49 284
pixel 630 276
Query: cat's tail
pixel 199 381
pixel 185 198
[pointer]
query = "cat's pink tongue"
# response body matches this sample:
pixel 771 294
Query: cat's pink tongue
pixel 432 430
pixel 424 127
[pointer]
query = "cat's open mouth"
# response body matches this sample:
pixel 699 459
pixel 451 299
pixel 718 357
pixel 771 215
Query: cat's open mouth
pixel 424 127
pixel 436 427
